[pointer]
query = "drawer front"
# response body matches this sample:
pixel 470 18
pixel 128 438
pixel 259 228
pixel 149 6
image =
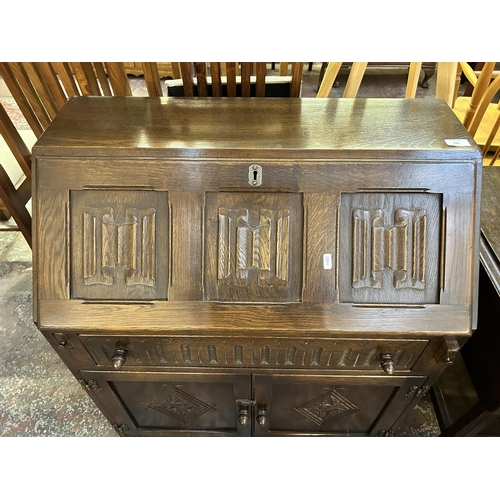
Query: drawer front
pixel 185 352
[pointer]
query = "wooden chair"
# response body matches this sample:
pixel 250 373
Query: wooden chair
pixel 356 75
pixel 231 79
pixel 15 195
pixel 478 113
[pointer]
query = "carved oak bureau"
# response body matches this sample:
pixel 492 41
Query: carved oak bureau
pixel 255 266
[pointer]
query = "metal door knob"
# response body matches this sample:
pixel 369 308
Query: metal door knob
pixel 262 417
pixel 119 357
pixel 387 363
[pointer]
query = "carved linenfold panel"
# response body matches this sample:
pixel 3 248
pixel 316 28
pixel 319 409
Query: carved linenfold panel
pixel 400 248
pixel 391 252
pixel 118 240
pixel 107 244
pixel 180 405
pixel 328 406
pixel 264 248
pixel 339 354
pixel 253 246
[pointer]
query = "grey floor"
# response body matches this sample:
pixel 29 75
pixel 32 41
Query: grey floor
pixel 38 395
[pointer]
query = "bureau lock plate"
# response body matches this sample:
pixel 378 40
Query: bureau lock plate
pixel 255 175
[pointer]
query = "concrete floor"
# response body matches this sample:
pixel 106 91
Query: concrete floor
pixel 38 394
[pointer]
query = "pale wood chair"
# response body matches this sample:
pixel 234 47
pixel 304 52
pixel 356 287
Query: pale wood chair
pixel 231 79
pixel 478 113
pixel 356 75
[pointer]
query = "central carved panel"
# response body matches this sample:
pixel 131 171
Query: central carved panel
pixel 253 246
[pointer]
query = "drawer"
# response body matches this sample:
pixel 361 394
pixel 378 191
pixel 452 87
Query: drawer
pixel 192 351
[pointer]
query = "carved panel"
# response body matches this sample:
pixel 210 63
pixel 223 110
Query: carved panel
pixel 253 246
pixel 328 406
pixel 338 354
pixel 180 405
pixel 390 248
pixel 119 244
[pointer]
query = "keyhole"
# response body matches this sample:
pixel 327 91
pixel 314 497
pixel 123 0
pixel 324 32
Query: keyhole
pixel 255 175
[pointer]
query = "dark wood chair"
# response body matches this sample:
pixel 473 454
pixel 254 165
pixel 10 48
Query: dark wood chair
pixel 231 79
pixel 14 195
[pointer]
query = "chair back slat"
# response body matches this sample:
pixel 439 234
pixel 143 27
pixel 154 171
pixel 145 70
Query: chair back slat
pixel 118 79
pixel 40 86
pixel 231 72
pixel 152 79
pixel 100 72
pixel 482 83
pixel 15 142
pixel 86 79
pixel 296 85
pixel 31 94
pixel 7 73
pixel 65 74
pixel 260 79
pixel 187 79
pixel 246 73
pixel 201 78
pixel 53 84
pixel 14 199
pixel 215 73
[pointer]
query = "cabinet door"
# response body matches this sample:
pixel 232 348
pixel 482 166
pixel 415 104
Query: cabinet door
pixel 330 405
pixel 168 404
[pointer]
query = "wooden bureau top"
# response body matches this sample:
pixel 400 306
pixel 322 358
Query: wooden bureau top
pixel 249 127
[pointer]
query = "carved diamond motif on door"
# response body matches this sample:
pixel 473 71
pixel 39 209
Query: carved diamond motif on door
pixel 328 406
pixel 180 405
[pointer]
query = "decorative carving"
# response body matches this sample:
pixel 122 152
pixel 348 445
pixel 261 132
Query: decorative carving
pixel 264 355
pixel 265 248
pixel 109 243
pixel 316 356
pixel 180 406
pixel 391 248
pixel 328 406
pixel 401 248
pixel 290 355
